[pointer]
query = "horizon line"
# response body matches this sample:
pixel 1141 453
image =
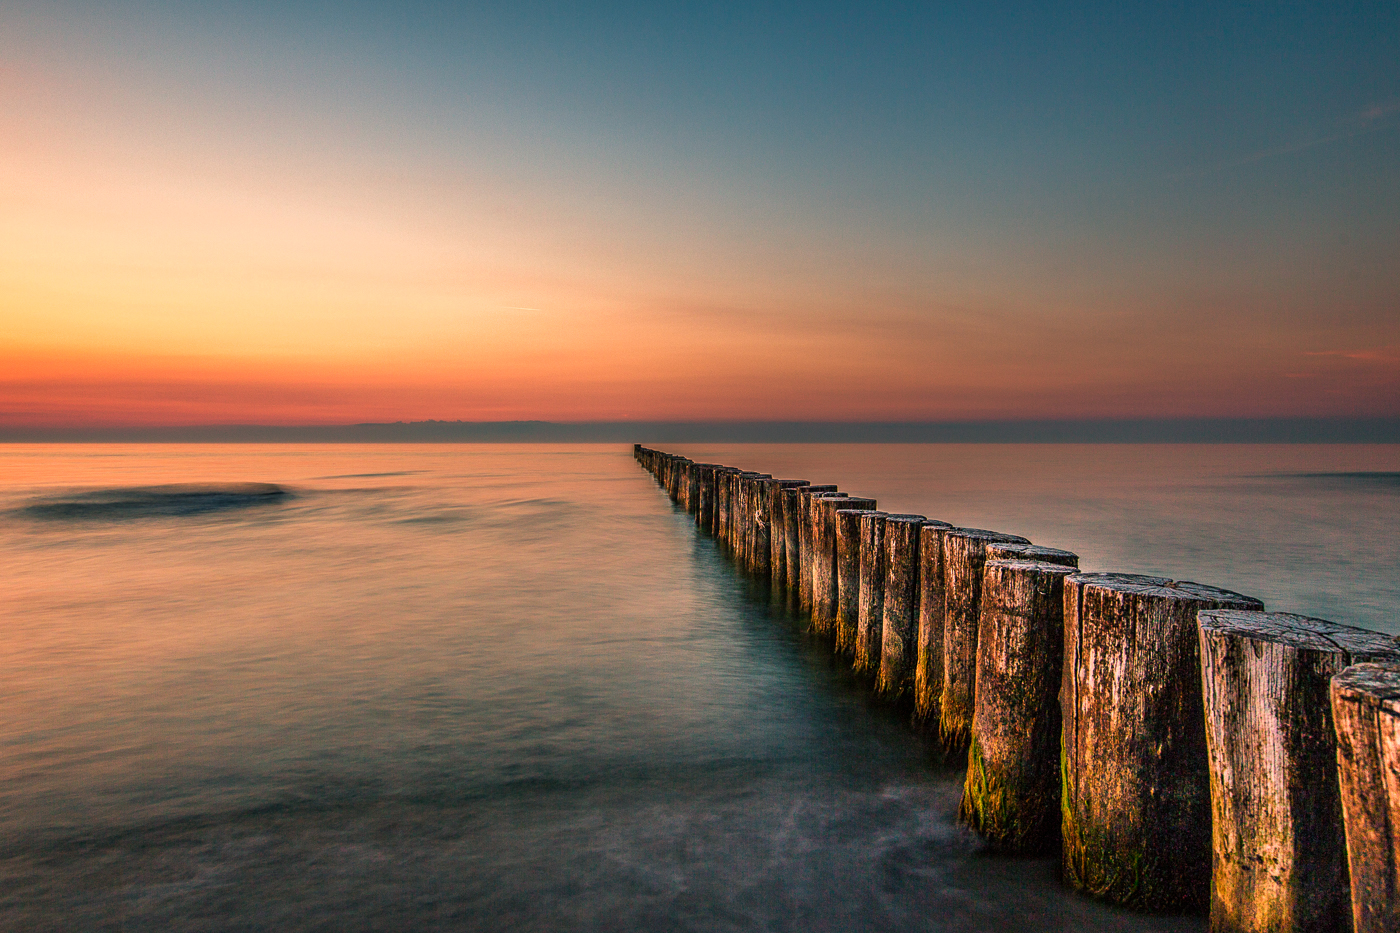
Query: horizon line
pixel 1258 430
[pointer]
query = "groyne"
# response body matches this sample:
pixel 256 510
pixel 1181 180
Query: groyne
pixel 1180 747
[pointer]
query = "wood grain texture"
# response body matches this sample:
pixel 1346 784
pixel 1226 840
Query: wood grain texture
pixel 870 616
pixel 900 617
pixel 848 577
pixel 1135 789
pixel 1279 850
pixel 1366 711
pixel 825 585
pixel 1012 550
pixel 1012 792
pixel 793 508
pixel 777 531
pixel 964 554
pixel 809 557
pixel 928 660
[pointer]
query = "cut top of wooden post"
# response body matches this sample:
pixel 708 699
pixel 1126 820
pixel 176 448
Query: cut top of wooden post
pixel 1142 585
pixel 1370 684
pixel 1015 550
pixel 1354 645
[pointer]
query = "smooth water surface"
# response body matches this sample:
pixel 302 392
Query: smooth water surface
pixel 490 687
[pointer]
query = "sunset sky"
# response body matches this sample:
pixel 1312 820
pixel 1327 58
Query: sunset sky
pixel 303 213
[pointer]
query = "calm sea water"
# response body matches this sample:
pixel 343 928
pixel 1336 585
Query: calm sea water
pixel 511 688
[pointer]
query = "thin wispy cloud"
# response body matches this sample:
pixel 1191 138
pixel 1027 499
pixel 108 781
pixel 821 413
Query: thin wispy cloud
pixel 1365 121
pixel 1386 354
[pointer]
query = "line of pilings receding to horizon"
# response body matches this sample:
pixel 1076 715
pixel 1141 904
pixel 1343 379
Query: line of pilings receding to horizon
pixel 1181 748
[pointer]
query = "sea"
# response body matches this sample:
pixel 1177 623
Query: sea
pixel 513 687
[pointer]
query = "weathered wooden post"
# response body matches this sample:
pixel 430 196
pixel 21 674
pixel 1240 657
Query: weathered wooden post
pixel 848 578
pixel 900 618
pixel 825 588
pixel 721 506
pixel 1278 842
pixel 1366 709
pixel 739 515
pixel 1012 793
pixel 928 658
pixel 673 477
pixel 768 526
pixel 793 510
pixel 724 483
pixel 807 531
pixel 754 516
pixel 1010 550
pixel 743 537
pixel 705 496
pixel 964 554
pixel 870 617
pixel 777 532
pixel 687 486
pixel 1135 790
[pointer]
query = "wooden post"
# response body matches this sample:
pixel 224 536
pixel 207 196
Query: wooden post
pixel 1010 550
pixel 731 509
pixel 793 508
pixel 806 532
pixel 753 518
pixel 743 536
pixel 767 527
pixel 705 497
pixel 1366 709
pixel 825 588
pixel 740 517
pixel 717 529
pixel 964 554
pixel 900 618
pixel 870 618
pixel 1279 847
pixel 1012 793
pixel 928 659
pixel 848 539
pixel 777 531
pixel 1135 794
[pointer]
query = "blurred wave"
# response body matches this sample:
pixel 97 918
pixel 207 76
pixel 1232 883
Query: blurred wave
pixel 135 502
pixel 1361 478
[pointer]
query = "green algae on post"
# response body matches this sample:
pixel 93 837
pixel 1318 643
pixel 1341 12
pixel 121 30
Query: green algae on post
pixel 1012 791
pixel 1135 788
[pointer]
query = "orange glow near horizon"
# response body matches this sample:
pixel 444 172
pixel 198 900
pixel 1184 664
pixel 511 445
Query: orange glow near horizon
pixel 169 255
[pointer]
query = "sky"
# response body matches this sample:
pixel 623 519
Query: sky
pixel 319 213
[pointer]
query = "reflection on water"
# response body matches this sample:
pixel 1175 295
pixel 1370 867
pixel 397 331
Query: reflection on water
pixel 495 687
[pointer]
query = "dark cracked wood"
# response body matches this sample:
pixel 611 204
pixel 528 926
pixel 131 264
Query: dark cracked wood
pixel 1012 792
pixel 1135 789
pixel 825 583
pixel 777 531
pixel 808 558
pixel 870 613
pixel 1278 844
pixel 1010 550
pixel 848 577
pixel 964 554
pixel 928 660
pixel 1366 710
pixel 900 618
pixel 795 501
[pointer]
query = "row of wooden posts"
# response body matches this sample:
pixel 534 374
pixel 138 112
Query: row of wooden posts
pixel 1178 745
